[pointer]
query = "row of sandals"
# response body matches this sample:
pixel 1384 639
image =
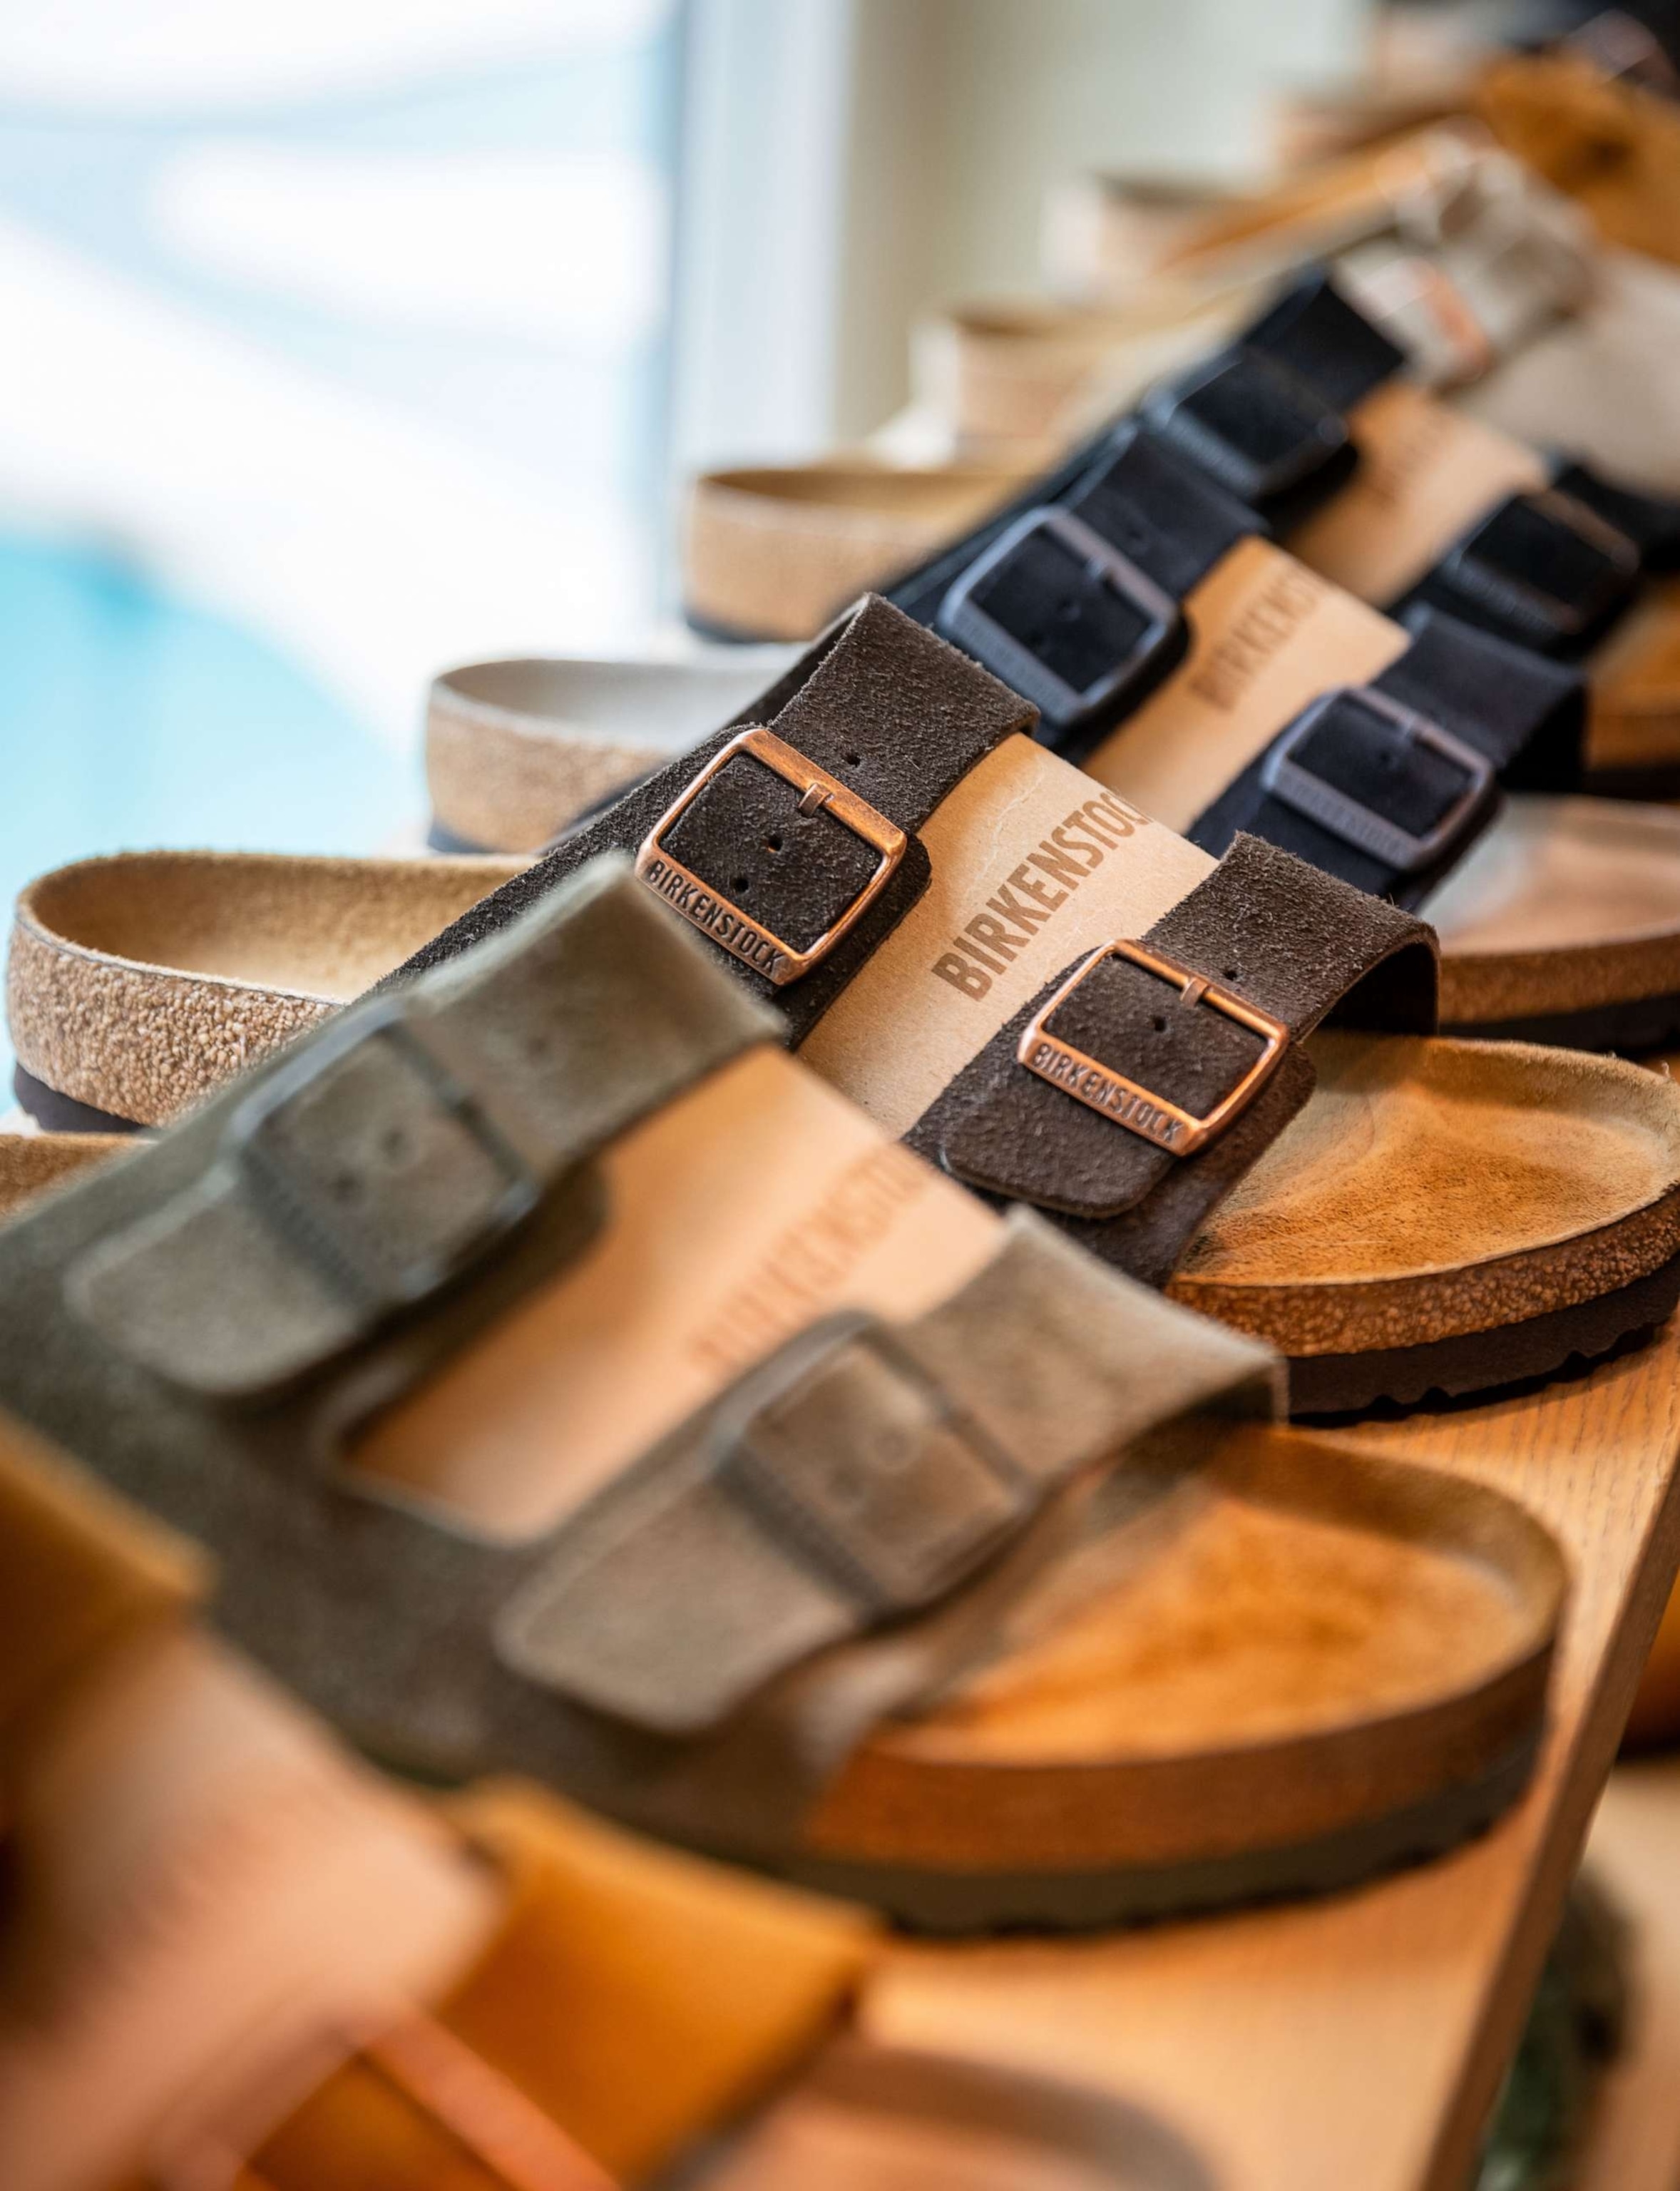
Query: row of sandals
pixel 764 1298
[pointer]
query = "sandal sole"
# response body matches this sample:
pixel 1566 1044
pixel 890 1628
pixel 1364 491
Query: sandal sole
pixel 1485 1362
pixel 948 1903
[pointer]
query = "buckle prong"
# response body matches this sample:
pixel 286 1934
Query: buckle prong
pixel 1126 1103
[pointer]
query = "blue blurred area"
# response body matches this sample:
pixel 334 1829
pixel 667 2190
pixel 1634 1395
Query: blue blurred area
pixel 129 719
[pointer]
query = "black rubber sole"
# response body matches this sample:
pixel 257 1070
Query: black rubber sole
pixel 1629 1029
pixel 948 1903
pixel 1485 1362
pixel 62 1114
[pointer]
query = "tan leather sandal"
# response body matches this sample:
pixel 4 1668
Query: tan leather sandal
pixel 1014 869
pixel 328 1984
pixel 571 1383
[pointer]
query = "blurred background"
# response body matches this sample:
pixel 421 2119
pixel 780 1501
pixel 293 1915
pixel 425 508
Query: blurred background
pixel 347 339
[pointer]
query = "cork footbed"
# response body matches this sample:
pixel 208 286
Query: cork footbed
pixel 1276 1646
pixel 139 983
pixel 1434 1188
pixel 517 750
pixel 775 553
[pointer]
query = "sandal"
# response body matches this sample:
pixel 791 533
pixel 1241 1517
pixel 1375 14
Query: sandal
pixel 679 1439
pixel 363 1989
pixel 1014 868
pixel 138 984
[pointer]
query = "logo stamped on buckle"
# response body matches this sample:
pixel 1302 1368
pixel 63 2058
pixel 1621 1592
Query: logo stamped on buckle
pixel 1140 1109
pixel 718 917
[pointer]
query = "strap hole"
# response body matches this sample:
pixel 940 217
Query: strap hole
pixel 852 760
pixel 1159 1024
pixel 773 844
pixel 1232 974
pixel 739 884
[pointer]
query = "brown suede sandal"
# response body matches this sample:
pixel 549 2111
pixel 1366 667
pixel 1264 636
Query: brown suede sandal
pixel 326 1985
pixel 981 873
pixel 678 1438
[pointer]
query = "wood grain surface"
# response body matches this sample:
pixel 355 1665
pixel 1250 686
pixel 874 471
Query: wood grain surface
pixel 1357 2044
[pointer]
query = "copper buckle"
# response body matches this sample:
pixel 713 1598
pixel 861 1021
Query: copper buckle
pixel 716 916
pixel 1139 1109
pixel 455 2090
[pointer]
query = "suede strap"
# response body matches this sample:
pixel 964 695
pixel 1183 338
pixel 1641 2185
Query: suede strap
pixel 1412 761
pixel 1283 938
pixel 376 1168
pixel 894 716
pixel 861 1474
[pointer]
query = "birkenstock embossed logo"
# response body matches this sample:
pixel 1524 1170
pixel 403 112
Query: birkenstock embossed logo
pixel 1140 1110
pixel 720 918
pixel 1289 597
pixel 716 918
pixel 1106 1091
pixel 1034 890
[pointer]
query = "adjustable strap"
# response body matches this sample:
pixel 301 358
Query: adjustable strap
pixel 1550 570
pixel 787 840
pixel 1074 594
pixel 863 1474
pixel 1267 416
pixel 1140 1084
pixel 380 1165
pixel 1387 785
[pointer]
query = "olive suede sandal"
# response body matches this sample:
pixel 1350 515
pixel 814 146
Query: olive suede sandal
pixel 568 1382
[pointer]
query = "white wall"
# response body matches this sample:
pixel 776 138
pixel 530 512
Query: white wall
pixel 852 162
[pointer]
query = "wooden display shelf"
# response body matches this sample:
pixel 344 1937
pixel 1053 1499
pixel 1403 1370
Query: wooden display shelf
pixel 1357 2044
